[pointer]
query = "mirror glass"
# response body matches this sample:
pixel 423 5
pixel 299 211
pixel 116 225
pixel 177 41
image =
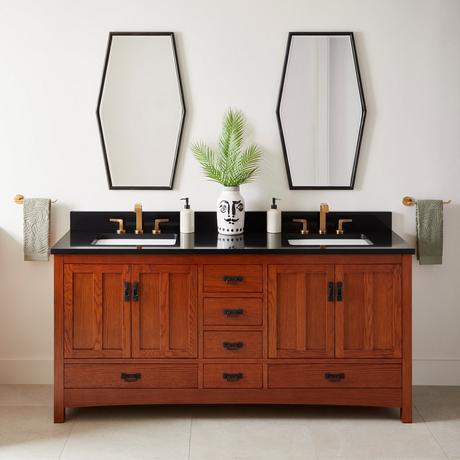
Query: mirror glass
pixel 141 110
pixel 321 110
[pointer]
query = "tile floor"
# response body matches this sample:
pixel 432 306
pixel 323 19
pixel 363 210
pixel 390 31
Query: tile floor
pixel 227 433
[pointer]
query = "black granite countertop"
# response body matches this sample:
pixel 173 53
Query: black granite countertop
pixel 376 226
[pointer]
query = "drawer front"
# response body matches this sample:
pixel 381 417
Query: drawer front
pixel 233 311
pixel 233 278
pixel 334 375
pixel 232 344
pixel 131 376
pixel 232 376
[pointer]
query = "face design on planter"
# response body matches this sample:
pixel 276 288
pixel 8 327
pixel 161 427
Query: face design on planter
pixel 232 209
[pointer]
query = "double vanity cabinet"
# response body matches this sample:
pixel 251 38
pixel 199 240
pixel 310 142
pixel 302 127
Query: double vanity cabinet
pixel 206 326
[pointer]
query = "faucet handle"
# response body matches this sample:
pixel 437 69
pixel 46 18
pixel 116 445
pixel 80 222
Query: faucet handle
pixel 324 207
pixel 157 222
pixel 121 230
pixel 304 223
pixel 339 230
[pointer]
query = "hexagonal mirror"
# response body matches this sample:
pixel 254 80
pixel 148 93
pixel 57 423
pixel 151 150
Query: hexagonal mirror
pixel 321 110
pixel 141 110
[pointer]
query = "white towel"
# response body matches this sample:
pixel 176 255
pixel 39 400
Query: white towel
pixel 37 229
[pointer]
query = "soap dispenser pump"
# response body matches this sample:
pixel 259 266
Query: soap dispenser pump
pixel 274 218
pixel 187 218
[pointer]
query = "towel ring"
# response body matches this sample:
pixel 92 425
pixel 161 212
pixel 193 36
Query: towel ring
pixel 19 199
pixel 409 201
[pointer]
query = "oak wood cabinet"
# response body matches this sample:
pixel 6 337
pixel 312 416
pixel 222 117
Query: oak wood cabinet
pixel 284 329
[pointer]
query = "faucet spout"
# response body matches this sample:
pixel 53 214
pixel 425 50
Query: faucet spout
pixel 323 210
pixel 138 211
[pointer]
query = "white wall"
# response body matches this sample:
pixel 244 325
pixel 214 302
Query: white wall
pixel 231 54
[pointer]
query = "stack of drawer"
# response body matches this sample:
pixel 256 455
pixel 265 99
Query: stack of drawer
pixel 233 321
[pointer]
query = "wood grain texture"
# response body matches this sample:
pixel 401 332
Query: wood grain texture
pixel 59 407
pixel 213 375
pixel 151 375
pixel 368 320
pixel 406 407
pixel 301 319
pixel 313 376
pixel 214 307
pixel 214 344
pixel 251 278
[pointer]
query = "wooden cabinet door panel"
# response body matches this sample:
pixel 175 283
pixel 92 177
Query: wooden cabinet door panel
pixel 165 313
pixel 301 316
pixel 368 318
pixel 97 320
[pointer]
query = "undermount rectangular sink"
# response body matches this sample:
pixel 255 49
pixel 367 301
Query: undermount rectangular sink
pixel 361 241
pixel 167 239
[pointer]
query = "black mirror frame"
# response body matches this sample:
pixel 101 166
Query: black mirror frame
pixel 361 126
pixel 181 126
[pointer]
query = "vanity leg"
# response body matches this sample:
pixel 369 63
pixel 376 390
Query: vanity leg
pixel 59 409
pixel 59 412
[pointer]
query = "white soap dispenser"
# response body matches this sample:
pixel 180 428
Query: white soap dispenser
pixel 187 218
pixel 274 218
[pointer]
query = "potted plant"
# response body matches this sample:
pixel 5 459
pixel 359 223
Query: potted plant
pixel 230 166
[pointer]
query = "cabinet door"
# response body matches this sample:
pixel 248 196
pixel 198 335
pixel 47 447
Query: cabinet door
pixel 96 311
pixel 301 311
pixel 164 311
pixel 368 311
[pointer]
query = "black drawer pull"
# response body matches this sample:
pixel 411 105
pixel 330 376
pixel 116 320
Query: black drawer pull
pixel 330 291
pixel 233 377
pixel 339 291
pixel 127 293
pixel 233 312
pixel 130 377
pixel 136 291
pixel 233 345
pixel 334 377
pixel 233 279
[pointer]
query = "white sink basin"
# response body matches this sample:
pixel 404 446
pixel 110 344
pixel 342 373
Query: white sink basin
pixel 330 242
pixel 135 242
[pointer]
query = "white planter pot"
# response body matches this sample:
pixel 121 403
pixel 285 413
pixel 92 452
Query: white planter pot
pixel 230 212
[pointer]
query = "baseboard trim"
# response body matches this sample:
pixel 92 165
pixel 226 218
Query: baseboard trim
pixel 26 371
pixel 426 371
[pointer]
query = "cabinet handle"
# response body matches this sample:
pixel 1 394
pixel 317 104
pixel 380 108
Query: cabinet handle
pixel 136 291
pixel 233 279
pixel 334 377
pixel 339 291
pixel 127 293
pixel 131 377
pixel 233 345
pixel 233 312
pixel 330 291
pixel 232 377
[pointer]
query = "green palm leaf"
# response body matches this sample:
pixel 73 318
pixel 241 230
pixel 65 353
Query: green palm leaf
pixel 230 166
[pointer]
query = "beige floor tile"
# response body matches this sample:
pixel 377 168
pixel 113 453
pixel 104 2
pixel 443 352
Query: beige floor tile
pixel 370 433
pixel 28 432
pixel 26 395
pixel 440 409
pixel 237 433
pixel 129 433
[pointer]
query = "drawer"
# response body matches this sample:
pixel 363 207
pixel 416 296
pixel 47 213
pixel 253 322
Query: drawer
pixel 233 278
pixel 130 376
pixel 232 344
pixel 233 311
pixel 232 376
pixel 334 375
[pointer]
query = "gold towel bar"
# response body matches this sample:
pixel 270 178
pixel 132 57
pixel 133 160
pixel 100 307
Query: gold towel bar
pixel 409 201
pixel 19 199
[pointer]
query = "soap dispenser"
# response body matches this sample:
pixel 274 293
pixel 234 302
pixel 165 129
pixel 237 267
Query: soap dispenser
pixel 274 218
pixel 187 218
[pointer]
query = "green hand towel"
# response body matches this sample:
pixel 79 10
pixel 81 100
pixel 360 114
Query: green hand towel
pixel 429 231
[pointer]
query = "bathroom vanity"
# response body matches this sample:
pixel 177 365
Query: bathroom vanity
pixel 258 322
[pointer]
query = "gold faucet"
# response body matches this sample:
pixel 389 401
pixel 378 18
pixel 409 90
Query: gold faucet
pixel 138 211
pixel 157 222
pixel 323 210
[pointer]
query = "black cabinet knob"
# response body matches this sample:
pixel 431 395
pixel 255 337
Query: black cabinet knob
pixel 130 377
pixel 232 377
pixel 233 345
